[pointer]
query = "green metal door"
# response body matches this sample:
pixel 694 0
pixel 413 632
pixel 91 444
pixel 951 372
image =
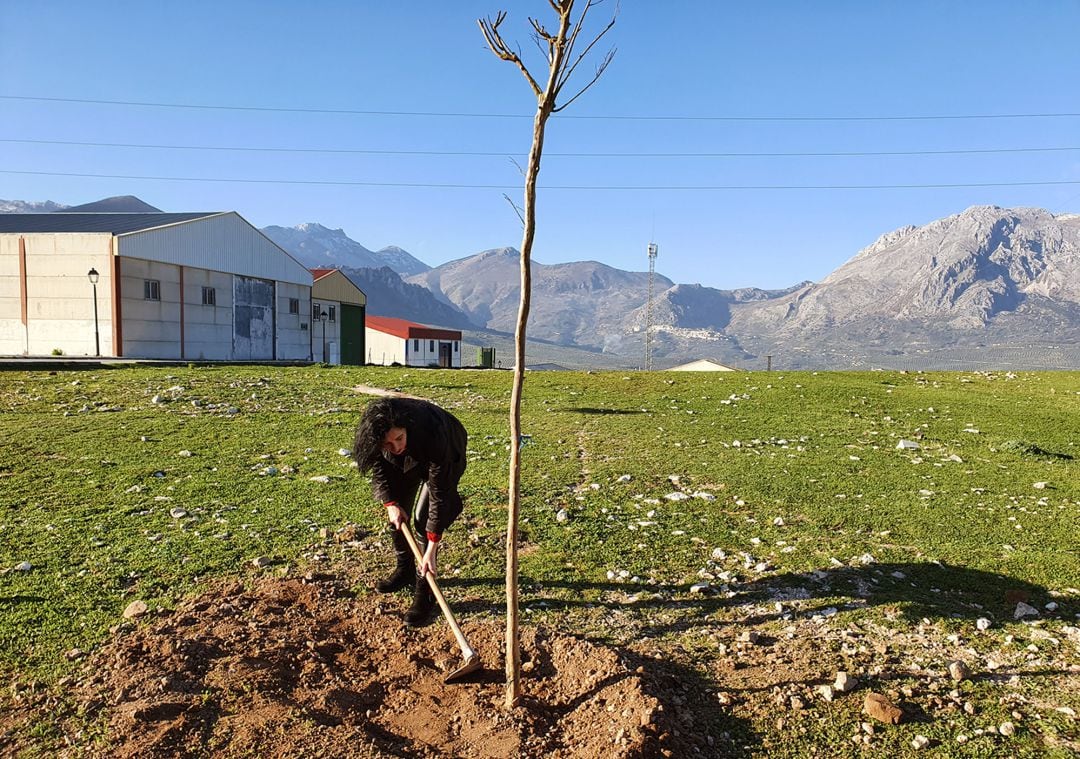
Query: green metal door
pixel 352 334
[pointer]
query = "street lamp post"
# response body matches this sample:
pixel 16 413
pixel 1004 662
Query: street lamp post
pixel 92 275
pixel 322 318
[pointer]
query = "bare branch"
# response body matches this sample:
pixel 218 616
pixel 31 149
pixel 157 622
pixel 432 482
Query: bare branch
pixel 599 72
pixel 569 70
pixel 490 30
pixel 517 209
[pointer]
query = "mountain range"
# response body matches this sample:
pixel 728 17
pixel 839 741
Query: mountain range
pixel 988 287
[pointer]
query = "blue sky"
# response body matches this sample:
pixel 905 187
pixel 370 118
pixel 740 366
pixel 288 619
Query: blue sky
pixel 712 77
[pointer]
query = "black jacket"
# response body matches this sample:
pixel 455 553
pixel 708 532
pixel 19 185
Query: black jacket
pixel 435 446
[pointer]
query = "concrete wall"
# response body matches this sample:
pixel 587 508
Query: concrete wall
pixel 294 330
pixel 424 351
pixel 151 328
pixel 59 296
pixel 207 329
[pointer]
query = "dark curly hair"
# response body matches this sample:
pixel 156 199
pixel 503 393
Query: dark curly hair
pixel 377 419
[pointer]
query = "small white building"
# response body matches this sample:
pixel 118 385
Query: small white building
pixel 337 316
pixel 150 285
pixel 701 365
pixel 398 341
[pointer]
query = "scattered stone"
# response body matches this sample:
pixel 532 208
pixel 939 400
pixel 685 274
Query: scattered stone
pixel 562 516
pixel 750 636
pixel 1040 485
pixel 135 609
pixel 700 587
pixel 1024 610
pixel 75 653
pixel 320 478
pixel 844 682
pixel 185 454
pixel 959 671
pixel 826 692
pixel 920 742
pixel 1052 606
pixel 882 709
pixel 177 513
pixel 157 399
pixel 982 623
pixel 260 561
pixel 797 703
pixel 676 496
pixel 1007 729
pixel 907 445
pixel 23 566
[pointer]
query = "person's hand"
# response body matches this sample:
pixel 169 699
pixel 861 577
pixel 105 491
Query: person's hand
pixel 430 562
pixel 395 515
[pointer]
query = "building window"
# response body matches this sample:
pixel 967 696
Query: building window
pixel 151 289
pixel 415 345
pixel 294 305
pixel 209 296
pixel 314 312
pixel 455 346
pixel 332 311
pixel 431 346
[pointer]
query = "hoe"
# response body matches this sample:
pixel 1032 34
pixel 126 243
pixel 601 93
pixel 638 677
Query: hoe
pixel 472 659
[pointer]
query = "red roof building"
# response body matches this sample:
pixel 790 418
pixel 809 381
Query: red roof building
pixel 399 341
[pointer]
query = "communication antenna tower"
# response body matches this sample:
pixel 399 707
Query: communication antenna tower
pixel 648 308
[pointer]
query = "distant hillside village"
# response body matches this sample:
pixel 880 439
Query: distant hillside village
pixel 125 280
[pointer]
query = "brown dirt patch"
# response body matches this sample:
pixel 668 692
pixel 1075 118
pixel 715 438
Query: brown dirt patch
pixel 303 668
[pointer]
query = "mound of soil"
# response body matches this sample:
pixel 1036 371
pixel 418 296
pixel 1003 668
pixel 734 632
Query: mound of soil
pixel 291 667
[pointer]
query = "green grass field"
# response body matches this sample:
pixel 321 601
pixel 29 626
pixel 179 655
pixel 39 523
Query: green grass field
pixel 137 482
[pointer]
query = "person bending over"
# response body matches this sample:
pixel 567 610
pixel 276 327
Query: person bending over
pixel 406 443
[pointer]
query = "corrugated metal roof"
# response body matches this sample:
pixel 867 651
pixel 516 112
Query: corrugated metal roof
pixel 116 223
pixel 407 329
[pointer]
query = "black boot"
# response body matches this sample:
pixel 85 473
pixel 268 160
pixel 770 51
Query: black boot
pixel 423 601
pixel 405 572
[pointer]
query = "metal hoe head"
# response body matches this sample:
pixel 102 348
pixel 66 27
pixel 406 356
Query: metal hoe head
pixel 471 664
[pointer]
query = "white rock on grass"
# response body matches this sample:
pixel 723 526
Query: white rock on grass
pixel 676 496
pixel 920 742
pixel 260 561
pixel 1007 729
pixel 700 587
pixel 1039 485
pixel 344 452
pixel 562 516
pixel 177 513
pixel 185 454
pixel 320 478
pixel 844 682
pixel 1024 610
pixel 624 478
pixel 23 566
pixel 982 623
pixel 907 445
pixel 701 494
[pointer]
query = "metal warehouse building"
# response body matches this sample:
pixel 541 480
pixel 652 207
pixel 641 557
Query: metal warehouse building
pixel 150 285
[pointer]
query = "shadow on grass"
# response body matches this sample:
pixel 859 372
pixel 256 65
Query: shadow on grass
pixel 601 411
pixel 917 589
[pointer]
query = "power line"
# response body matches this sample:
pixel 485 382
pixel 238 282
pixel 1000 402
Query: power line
pixel 495 153
pixel 482 115
pixel 460 186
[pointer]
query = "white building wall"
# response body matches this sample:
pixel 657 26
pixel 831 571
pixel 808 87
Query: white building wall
pixel 151 328
pixel 59 296
pixel 294 330
pixel 382 348
pixel 424 351
pixel 207 329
